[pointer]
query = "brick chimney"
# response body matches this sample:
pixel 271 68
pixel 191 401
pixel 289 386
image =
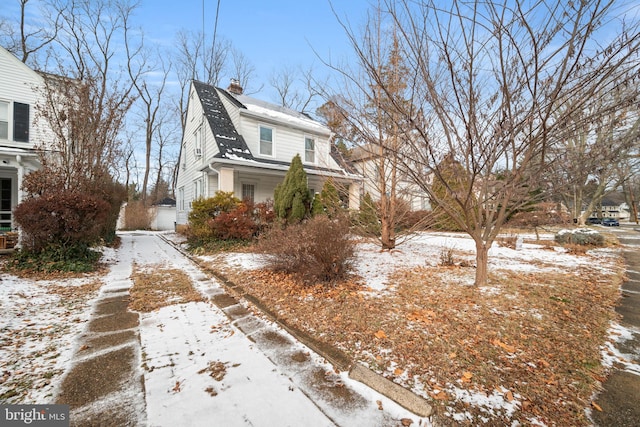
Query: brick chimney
pixel 234 87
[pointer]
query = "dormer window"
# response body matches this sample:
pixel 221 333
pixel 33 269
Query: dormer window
pixel 309 150
pixel 266 141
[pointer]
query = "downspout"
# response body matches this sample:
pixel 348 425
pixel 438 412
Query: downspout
pixel 214 171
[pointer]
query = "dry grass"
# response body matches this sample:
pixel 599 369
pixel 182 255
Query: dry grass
pixel 81 292
pixel 532 338
pixel 137 216
pixel 159 286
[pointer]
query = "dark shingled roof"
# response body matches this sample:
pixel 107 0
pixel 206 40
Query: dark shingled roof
pixel 229 141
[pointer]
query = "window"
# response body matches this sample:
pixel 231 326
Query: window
pixel 248 192
pixel 197 189
pixel 20 122
pixel 181 198
pixel 309 150
pixel 198 142
pixel 266 141
pixel 4 120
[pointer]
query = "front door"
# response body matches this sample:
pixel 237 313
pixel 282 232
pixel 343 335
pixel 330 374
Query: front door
pixel 5 204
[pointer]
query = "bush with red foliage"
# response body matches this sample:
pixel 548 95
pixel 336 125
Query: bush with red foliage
pixel 65 218
pixel 235 224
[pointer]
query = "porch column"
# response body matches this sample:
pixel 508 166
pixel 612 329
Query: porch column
pixel 225 180
pixel 354 196
pixel 20 178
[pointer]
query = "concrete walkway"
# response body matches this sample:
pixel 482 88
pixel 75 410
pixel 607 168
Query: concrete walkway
pixel 106 383
pixel 620 399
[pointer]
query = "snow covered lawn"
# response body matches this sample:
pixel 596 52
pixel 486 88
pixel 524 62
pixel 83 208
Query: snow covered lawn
pixel 499 353
pixel 478 354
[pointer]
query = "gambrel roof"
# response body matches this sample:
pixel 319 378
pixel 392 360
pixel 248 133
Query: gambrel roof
pixel 229 141
pixel 232 145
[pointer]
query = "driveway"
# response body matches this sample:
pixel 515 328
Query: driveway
pixel 206 363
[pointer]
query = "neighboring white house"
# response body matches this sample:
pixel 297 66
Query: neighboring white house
pixel 366 161
pixel 20 131
pixel 615 206
pixel 236 143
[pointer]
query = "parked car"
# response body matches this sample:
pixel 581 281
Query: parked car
pixel 594 221
pixel 610 222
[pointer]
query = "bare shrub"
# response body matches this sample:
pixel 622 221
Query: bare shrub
pixel 317 251
pixel 508 241
pixel 136 216
pixel 446 257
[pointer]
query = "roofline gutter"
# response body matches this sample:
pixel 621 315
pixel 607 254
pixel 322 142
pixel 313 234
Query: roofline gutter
pixel 263 118
pixel 251 165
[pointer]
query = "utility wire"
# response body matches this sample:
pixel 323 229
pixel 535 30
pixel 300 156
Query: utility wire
pixel 215 26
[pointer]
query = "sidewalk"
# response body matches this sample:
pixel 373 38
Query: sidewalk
pixel 212 363
pixel 620 399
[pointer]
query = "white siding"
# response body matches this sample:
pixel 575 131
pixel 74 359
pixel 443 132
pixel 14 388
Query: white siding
pixel 19 83
pixel 190 164
pixel 287 142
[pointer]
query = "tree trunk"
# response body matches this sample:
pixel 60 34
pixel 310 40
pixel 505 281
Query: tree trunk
pixel 482 260
pixel 387 234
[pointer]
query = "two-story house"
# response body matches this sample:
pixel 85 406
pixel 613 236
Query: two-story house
pixel 20 131
pixel 236 143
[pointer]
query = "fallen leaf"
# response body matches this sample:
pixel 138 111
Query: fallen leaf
pixel 406 422
pixel 509 396
pixel 380 334
pixel 596 406
pixel 397 372
pixel 544 363
pixel 438 394
pixel 506 347
pixel 379 402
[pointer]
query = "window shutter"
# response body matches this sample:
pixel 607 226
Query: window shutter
pixel 20 122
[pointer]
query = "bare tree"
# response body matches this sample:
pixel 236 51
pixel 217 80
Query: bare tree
pixel 167 136
pixel 598 157
pixel 366 113
pixel 493 87
pixel 25 39
pixel 243 70
pixel 86 108
pixel 295 89
pixel 198 59
pixel 153 111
